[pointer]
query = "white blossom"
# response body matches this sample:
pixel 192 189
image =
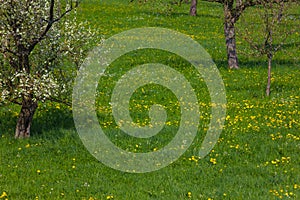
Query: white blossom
pixel 54 60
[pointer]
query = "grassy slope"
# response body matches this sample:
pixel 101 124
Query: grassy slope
pixel 257 156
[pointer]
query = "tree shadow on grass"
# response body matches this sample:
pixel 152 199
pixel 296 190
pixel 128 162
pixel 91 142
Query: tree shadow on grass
pixel 52 118
pixel 46 118
pixel 175 14
pixel 243 63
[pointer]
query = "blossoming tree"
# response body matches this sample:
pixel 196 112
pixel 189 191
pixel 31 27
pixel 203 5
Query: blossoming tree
pixel 37 38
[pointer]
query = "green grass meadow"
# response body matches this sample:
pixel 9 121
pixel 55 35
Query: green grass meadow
pixel 257 155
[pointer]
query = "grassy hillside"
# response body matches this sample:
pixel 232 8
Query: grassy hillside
pixel 256 157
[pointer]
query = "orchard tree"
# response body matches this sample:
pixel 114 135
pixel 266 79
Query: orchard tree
pixel 233 10
pixel 274 24
pixel 36 39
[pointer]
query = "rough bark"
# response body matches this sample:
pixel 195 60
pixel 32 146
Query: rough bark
pixel 193 8
pixel 25 118
pixel 229 31
pixel 231 45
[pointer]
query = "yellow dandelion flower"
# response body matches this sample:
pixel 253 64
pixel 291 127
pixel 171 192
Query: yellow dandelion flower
pixel 295 186
pixel 273 162
pixel 213 160
pixel 4 194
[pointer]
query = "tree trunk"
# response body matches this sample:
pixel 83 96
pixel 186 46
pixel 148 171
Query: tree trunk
pixel 25 118
pixel 229 31
pixel 269 77
pixel 193 9
pixel 29 105
pixel 269 46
